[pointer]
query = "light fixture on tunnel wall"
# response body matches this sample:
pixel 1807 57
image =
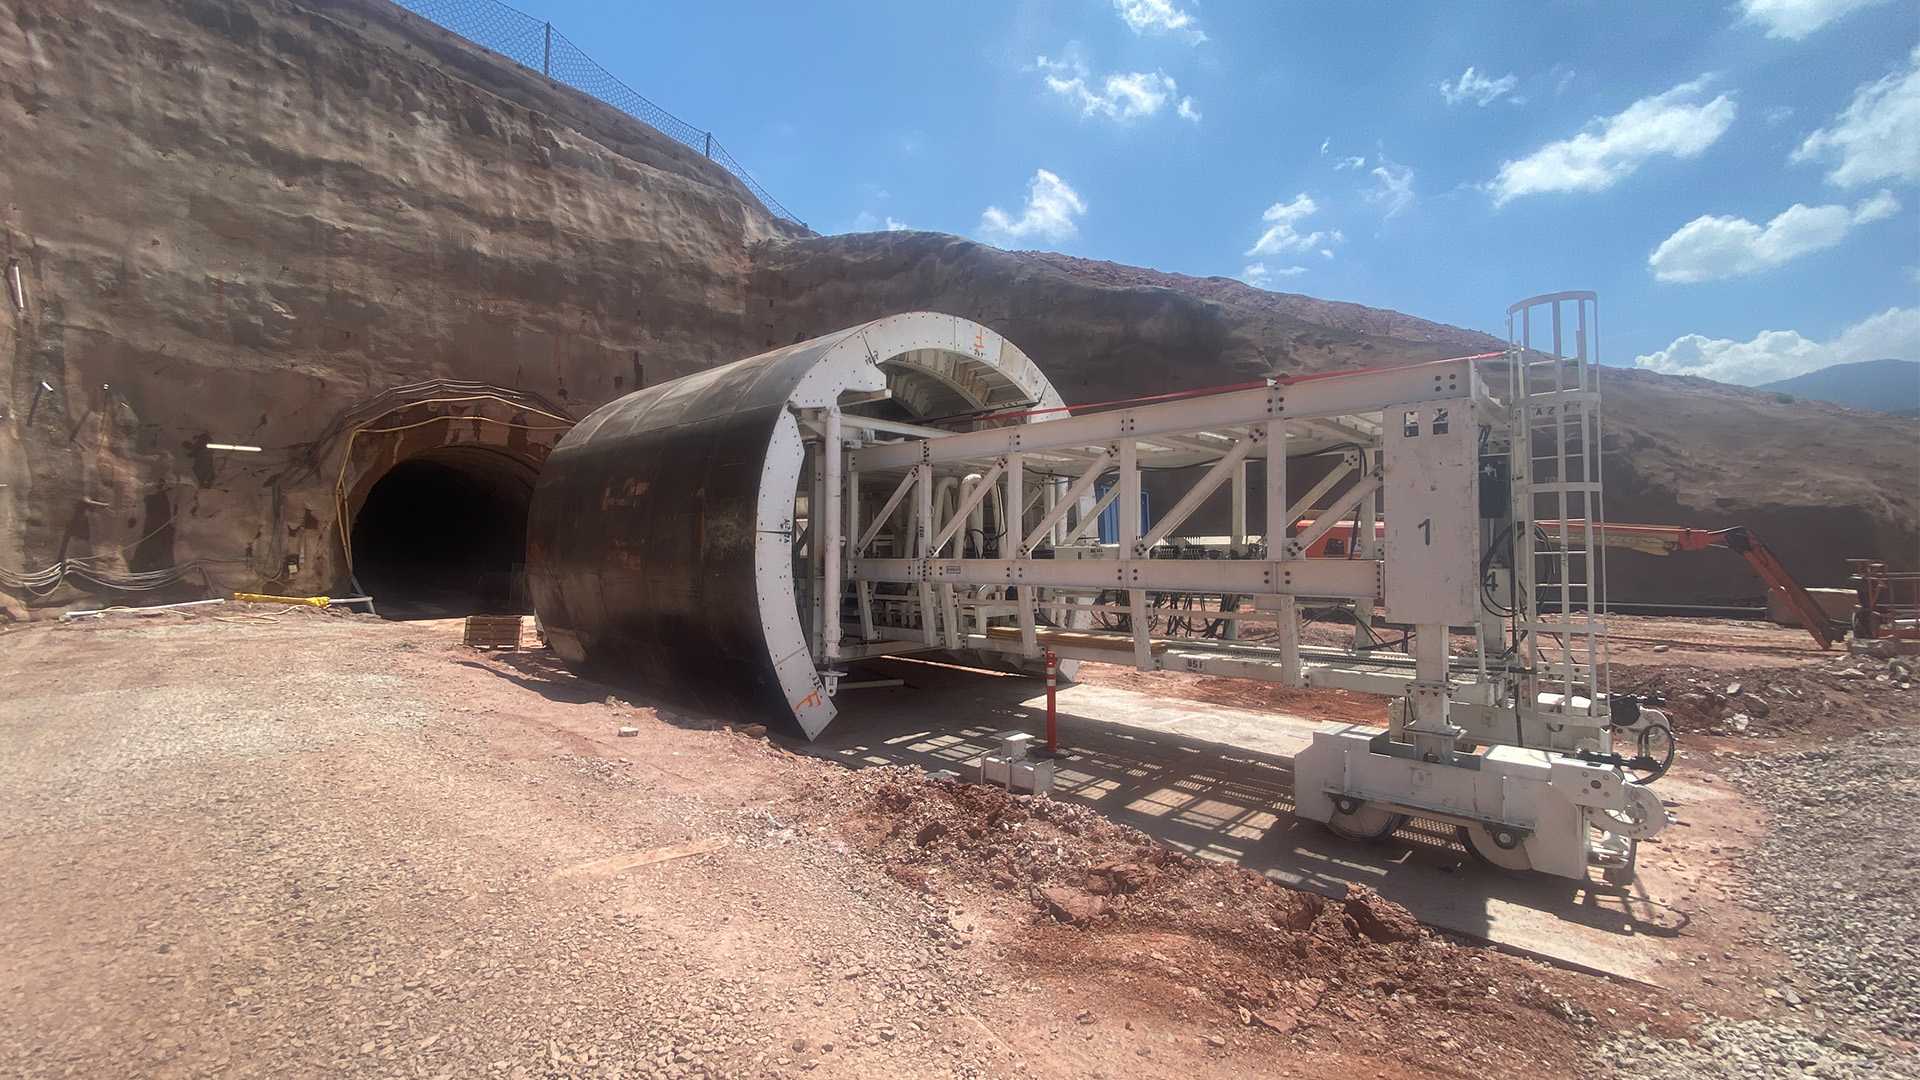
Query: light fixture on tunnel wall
pixel 233 446
pixel 16 290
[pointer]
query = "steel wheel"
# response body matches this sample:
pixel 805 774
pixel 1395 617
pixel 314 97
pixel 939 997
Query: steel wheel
pixel 1484 845
pixel 1367 824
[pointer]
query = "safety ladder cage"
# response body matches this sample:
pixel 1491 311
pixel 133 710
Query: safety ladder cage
pixel 1560 563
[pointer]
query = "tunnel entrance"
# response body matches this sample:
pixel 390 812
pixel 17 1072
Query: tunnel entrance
pixel 444 534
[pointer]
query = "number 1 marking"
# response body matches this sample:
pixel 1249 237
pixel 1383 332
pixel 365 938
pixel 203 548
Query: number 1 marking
pixel 1426 531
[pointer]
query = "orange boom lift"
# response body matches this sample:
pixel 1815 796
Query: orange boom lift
pixel 1668 539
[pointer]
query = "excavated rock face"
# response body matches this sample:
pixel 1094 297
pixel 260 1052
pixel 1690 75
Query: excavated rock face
pixel 1821 484
pixel 247 221
pixel 235 220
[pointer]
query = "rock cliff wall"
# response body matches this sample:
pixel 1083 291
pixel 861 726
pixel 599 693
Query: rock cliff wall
pixel 242 222
pixel 1820 483
pixel 234 221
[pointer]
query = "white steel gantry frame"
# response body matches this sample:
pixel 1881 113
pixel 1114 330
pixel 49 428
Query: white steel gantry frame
pixel 983 541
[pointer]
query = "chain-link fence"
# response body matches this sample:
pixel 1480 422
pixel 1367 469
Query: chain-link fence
pixel 529 41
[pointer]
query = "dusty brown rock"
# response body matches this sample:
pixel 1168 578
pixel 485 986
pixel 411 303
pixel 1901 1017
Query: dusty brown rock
pixel 1379 918
pixel 1118 878
pixel 1295 911
pixel 1071 905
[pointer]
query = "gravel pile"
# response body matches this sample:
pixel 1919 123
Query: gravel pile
pixel 1754 1050
pixel 1841 874
pixel 226 857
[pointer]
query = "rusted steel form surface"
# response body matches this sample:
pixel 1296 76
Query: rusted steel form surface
pixel 641 537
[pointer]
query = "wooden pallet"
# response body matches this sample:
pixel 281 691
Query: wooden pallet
pixel 492 632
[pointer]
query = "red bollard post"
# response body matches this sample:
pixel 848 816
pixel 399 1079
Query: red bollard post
pixel 1053 670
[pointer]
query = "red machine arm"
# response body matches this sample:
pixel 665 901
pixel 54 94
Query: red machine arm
pixel 1667 539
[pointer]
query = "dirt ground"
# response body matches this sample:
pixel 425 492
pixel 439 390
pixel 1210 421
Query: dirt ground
pixel 296 844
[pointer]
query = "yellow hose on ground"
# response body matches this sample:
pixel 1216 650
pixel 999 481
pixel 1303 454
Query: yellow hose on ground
pixel 257 598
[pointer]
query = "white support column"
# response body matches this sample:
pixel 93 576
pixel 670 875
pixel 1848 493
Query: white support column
pixel 816 583
pixel 1129 487
pixel 1287 633
pixel 1012 528
pixel 1363 519
pixel 950 616
pixel 1049 495
pixel 1286 625
pixel 1239 526
pixel 923 532
pixel 1276 531
pixel 1430 725
pixel 832 522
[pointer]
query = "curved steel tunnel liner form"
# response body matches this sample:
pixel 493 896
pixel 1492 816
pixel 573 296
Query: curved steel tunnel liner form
pixel 660 545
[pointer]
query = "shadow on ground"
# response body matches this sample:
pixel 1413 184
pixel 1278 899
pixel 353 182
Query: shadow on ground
pixel 1219 800
pixel 1227 798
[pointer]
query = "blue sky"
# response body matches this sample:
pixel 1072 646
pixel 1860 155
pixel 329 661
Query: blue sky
pixel 1740 182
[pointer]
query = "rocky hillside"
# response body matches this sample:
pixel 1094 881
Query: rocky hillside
pixel 1886 385
pixel 239 221
pixel 235 220
pixel 1820 483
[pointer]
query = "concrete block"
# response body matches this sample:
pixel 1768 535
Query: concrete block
pixel 1839 604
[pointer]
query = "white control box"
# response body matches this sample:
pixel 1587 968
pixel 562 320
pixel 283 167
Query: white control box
pixel 1430 476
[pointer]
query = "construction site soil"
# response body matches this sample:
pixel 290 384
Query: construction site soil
pixel 296 844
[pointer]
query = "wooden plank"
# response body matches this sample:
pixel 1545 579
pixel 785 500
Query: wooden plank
pixel 492 631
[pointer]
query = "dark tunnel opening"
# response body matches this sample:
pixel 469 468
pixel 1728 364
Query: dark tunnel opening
pixel 444 534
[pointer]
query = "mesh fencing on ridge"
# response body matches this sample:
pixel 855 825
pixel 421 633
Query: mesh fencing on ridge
pixel 534 43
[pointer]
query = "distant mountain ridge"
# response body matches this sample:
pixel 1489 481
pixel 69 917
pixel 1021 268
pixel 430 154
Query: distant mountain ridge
pixel 1884 386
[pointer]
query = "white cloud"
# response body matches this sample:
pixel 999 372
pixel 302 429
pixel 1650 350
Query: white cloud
pixel 1878 208
pixel 1795 19
pixel 1782 354
pixel 1596 160
pixel 1395 187
pixel 1281 235
pixel 867 221
pixel 1477 88
pixel 1121 96
pixel 1052 205
pixel 1260 275
pixel 1159 17
pixel 1710 248
pixel 1877 138
pixel 1350 163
